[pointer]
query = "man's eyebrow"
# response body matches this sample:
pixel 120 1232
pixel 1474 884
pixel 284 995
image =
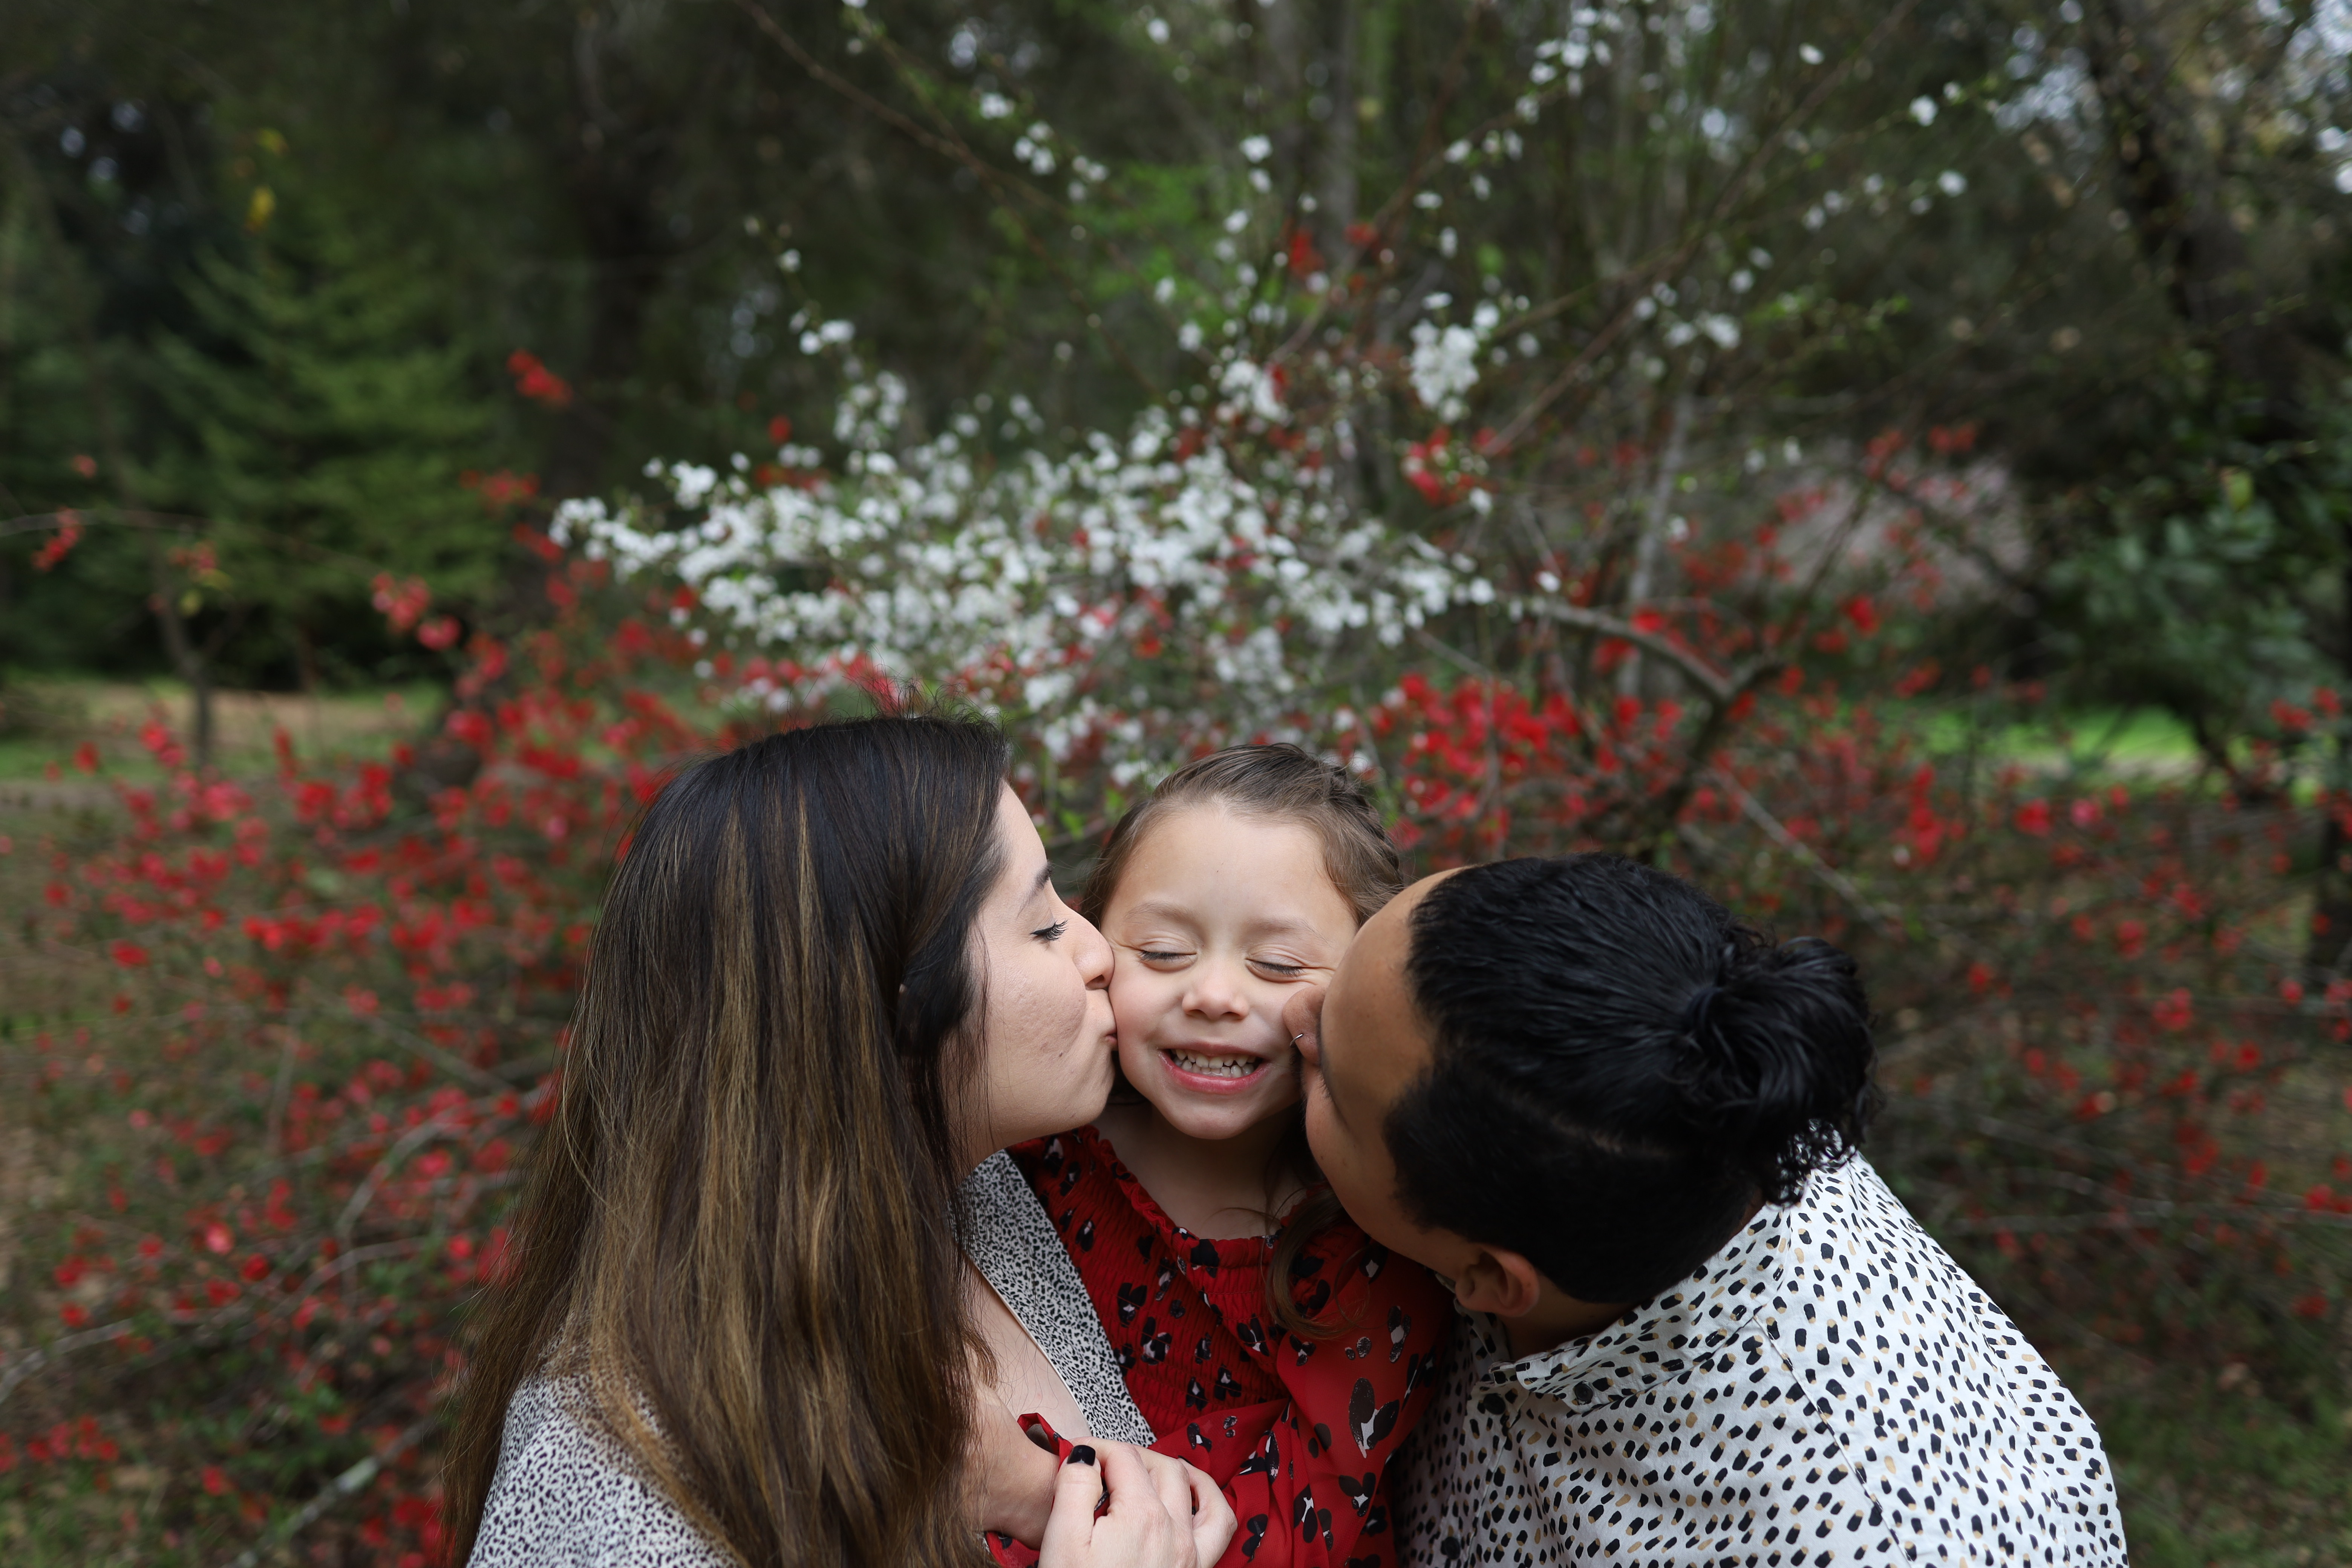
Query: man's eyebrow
pixel 1328 1092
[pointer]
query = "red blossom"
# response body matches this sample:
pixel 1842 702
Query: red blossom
pixel 535 380
pixel 61 544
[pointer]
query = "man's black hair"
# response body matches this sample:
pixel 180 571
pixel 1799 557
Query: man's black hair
pixel 1621 1069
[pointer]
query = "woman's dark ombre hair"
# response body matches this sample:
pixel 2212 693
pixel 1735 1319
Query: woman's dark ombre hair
pixel 737 1245
pixel 1621 1069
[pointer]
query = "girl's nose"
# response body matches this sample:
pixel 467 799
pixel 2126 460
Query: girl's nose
pixel 1214 993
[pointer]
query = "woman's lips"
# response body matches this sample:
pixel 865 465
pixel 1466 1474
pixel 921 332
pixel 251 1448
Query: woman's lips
pixel 1211 1071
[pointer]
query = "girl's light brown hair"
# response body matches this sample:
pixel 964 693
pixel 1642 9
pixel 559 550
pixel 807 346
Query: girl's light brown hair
pixel 1276 782
pixel 738 1236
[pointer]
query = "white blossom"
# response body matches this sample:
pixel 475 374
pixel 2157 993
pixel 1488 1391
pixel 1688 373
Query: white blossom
pixel 1444 366
pixel 1044 582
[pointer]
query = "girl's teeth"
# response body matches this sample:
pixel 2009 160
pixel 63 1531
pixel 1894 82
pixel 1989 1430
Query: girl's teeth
pixel 1215 1067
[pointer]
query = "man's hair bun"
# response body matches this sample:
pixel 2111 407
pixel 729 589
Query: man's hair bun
pixel 1775 1059
pixel 1622 1070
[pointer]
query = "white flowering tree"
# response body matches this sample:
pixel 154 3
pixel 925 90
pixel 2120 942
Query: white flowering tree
pixel 1195 578
pixel 1558 394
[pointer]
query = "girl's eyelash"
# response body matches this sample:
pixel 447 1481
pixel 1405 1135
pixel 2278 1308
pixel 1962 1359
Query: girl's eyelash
pixel 1052 932
pixel 1268 964
pixel 1148 953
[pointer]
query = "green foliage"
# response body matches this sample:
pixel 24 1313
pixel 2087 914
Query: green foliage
pixel 2218 1469
pixel 2213 583
pixel 321 415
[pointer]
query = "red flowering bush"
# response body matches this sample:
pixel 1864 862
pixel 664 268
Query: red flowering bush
pixel 334 997
pixel 333 1017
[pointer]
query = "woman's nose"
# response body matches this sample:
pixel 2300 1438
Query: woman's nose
pixel 1090 950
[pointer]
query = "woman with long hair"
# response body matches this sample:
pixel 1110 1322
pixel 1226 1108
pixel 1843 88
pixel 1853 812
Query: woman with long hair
pixel 831 977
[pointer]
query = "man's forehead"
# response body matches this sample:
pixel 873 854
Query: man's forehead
pixel 1382 1040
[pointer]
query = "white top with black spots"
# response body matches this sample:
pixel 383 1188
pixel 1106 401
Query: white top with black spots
pixel 1012 1241
pixel 1829 1388
pixel 565 1497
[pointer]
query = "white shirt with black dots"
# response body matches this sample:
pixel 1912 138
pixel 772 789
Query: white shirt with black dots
pixel 1829 1388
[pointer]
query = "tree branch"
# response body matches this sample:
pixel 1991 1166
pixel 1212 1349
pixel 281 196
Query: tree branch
pixel 1713 224
pixel 348 1484
pixel 1719 687
pixel 1829 875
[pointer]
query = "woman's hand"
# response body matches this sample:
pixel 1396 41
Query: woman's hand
pixel 1159 1513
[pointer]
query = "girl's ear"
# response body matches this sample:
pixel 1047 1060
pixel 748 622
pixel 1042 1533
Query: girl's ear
pixel 1498 1282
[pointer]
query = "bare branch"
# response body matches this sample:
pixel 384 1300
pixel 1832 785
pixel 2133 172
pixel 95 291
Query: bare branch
pixel 1831 877
pixel 409 1142
pixel 348 1484
pixel 448 1061
pixel 1721 688
pixel 39 1356
pixel 1713 224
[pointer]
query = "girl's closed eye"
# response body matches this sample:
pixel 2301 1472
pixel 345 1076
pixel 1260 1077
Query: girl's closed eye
pixel 1278 968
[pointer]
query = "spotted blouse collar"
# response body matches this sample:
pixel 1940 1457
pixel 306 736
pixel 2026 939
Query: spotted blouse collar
pixel 1699 1326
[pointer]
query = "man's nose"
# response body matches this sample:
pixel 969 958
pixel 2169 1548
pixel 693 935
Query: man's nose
pixel 1302 1020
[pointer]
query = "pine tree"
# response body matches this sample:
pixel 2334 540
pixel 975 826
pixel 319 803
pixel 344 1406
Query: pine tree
pixel 323 418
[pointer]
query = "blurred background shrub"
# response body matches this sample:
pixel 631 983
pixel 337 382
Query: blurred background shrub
pixel 1885 462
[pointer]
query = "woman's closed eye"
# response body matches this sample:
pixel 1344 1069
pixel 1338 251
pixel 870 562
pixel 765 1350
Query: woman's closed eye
pixel 1052 932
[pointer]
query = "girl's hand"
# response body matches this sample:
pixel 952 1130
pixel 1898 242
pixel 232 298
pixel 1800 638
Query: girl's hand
pixel 1157 1512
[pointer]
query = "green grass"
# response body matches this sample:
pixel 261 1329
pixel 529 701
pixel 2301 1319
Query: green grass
pixel 2125 744
pixel 2209 1474
pixel 64 714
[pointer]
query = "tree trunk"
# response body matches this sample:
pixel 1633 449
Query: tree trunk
pixel 1650 544
pixel 622 156
pixel 189 660
pixel 2263 361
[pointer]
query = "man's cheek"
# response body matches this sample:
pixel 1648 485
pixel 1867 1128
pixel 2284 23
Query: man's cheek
pixel 1330 1146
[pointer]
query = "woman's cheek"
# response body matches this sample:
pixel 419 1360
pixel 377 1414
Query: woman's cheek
pixel 1069 1006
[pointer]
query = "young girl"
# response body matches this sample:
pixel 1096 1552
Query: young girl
pixel 1263 1337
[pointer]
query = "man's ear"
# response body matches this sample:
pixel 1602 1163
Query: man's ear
pixel 1499 1282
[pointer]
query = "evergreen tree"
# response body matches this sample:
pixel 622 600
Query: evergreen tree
pixel 323 418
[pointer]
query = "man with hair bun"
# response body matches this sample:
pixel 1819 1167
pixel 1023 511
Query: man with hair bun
pixel 1694 1326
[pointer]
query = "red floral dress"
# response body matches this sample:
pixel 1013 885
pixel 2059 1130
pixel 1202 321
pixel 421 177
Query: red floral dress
pixel 1297 1432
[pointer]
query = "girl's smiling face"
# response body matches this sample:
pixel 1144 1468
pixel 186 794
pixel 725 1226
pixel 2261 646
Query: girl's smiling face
pixel 1218 918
